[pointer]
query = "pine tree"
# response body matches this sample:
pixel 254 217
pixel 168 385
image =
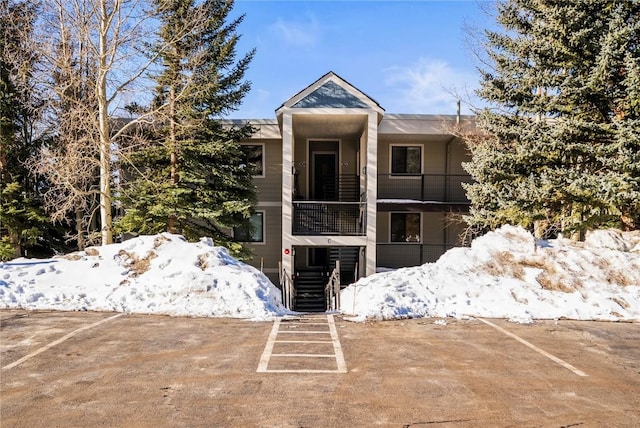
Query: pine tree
pixel 24 226
pixel 559 148
pixel 192 180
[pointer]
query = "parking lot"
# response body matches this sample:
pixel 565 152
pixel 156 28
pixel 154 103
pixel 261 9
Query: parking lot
pixel 79 369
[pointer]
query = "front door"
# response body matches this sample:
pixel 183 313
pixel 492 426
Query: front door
pixel 325 182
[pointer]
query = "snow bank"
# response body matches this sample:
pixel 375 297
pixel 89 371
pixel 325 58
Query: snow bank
pixel 506 274
pixel 161 274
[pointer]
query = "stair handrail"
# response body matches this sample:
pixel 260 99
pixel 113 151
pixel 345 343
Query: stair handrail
pixel 332 289
pixel 356 272
pixel 286 287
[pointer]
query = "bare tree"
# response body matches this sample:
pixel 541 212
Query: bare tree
pixel 100 54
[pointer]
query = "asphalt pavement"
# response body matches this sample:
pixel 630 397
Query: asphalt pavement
pixel 85 369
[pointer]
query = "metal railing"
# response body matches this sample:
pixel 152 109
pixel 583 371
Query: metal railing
pixel 332 289
pixel 423 187
pixel 286 287
pixel 397 255
pixel 329 218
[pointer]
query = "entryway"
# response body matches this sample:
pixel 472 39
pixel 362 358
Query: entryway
pixel 315 272
pixel 324 170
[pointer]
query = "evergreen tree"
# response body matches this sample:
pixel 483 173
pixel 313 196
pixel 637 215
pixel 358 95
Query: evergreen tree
pixel 559 149
pixel 24 226
pixel 191 179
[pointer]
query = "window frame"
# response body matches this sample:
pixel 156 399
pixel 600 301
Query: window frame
pixel 264 164
pixel 263 214
pixel 405 175
pixel 405 213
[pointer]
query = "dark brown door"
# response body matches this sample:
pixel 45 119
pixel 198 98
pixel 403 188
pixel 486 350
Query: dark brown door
pixel 325 183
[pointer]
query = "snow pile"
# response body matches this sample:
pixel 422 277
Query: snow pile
pixel 161 274
pixel 504 274
pixel 507 274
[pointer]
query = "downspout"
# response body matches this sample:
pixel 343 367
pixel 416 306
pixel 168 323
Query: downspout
pixel 447 171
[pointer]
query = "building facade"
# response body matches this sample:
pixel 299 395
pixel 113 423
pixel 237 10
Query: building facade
pixel 338 179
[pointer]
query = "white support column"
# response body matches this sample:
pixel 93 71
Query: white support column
pixel 287 192
pixel 372 191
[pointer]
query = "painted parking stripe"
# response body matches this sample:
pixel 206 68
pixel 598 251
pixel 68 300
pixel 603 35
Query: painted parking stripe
pixel 267 354
pixel 268 349
pixel 535 348
pixel 59 341
pixel 342 365
pixel 305 355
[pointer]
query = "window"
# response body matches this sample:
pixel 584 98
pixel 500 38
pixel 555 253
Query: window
pixel 253 233
pixel 254 158
pixel 406 159
pixel 405 227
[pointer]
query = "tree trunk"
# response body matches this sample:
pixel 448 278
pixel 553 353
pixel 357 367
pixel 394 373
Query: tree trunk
pixel 171 221
pixel 103 118
pixel 80 230
pixel 540 228
pixel 14 238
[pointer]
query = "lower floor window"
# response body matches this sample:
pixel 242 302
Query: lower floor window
pixel 254 232
pixel 405 227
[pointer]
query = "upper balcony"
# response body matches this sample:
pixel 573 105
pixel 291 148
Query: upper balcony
pixel 337 209
pixel 424 192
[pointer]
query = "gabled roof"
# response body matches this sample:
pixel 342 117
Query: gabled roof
pixel 331 91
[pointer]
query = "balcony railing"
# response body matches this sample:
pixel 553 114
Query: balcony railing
pixel 397 255
pixel 423 187
pixel 329 218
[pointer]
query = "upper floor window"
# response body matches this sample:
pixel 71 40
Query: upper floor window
pixel 254 158
pixel 254 232
pixel 405 227
pixel 406 159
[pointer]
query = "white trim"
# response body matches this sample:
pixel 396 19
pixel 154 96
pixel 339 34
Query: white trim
pixel 395 176
pixel 264 155
pixel 264 230
pixel 332 77
pixel 405 242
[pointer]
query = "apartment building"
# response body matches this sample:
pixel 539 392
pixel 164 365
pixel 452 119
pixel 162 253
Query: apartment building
pixel 340 180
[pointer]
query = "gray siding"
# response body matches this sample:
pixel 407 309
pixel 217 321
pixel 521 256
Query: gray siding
pixel 269 187
pixel 269 252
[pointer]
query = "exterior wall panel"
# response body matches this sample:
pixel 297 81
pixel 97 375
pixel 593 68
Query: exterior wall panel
pixel 269 187
pixel 269 251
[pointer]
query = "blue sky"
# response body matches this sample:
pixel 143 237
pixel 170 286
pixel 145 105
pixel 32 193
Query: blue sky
pixel 407 55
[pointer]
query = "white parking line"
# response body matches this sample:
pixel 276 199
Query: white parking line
pixel 305 355
pixel 268 349
pixel 535 348
pixel 57 342
pixel 337 348
pixel 267 354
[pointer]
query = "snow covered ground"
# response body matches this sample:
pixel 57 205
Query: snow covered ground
pixel 507 274
pixel 504 274
pixel 161 274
